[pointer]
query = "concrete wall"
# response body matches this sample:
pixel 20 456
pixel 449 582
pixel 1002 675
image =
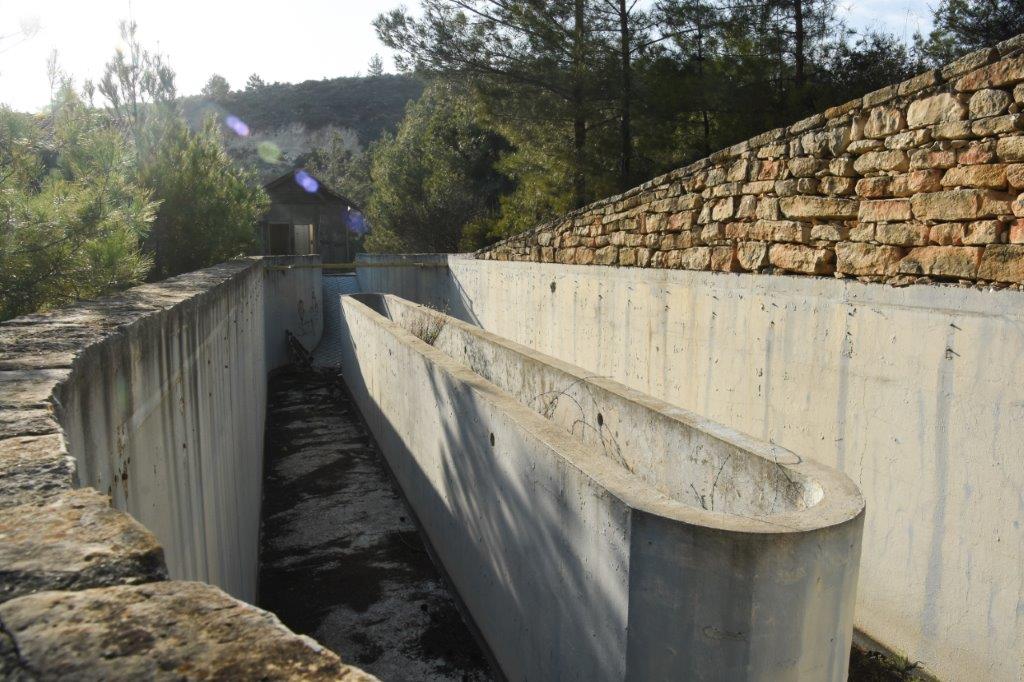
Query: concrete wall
pixel 293 288
pixel 167 416
pixel 158 392
pixel 589 558
pixel 910 391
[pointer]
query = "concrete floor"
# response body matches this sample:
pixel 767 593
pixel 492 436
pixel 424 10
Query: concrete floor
pixel 340 558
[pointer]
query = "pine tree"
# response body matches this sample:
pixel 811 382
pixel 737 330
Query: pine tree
pixel 72 213
pixel 533 62
pixel 217 88
pixel 376 67
pixel 254 82
pixel 961 26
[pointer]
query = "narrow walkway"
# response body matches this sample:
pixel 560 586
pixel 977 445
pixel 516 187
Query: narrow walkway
pixel 340 558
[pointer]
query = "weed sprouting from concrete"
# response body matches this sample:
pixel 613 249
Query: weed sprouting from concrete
pixel 428 327
pixel 547 403
pixel 875 666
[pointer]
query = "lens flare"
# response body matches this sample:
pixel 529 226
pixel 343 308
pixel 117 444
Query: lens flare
pixel 355 223
pixel 306 181
pixel 268 152
pixel 237 125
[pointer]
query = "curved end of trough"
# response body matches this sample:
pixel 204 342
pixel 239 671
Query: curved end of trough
pixel 593 531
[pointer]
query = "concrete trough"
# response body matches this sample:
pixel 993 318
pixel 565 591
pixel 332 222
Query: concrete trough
pixel 594 532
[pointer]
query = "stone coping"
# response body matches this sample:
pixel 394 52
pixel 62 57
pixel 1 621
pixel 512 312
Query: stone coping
pixel 84 590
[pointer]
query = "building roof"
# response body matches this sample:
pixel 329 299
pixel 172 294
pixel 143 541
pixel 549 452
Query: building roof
pixel 288 182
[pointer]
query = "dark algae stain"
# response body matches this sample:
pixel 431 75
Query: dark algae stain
pixel 341 559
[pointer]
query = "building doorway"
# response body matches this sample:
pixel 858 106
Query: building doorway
pixel 279 237
pixel 304 242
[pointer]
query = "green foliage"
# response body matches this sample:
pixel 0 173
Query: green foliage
pixel 367 105
pixel 344 168
pixel 436 175
pixel 375 67
pixel 71 212
pixel 595 96
pixel 217 88
pixel 136 84
pixel 95 200
pixel 961 26
pixel 208 206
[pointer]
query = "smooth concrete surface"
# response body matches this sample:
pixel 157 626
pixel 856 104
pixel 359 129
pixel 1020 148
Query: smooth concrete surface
pixel 572 565
pixel 916 393
pixel 166 415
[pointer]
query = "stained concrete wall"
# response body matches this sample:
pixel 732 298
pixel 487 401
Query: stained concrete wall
pixel 913 392
pixel 121 382
pixel 579 561
pixel 294 302
pixel 167 416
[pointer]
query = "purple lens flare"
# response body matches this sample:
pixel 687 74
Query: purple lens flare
pixel 355 223
pixel 306 181
pixel 237 125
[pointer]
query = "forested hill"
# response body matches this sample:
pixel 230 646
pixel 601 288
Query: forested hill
pixel 287 120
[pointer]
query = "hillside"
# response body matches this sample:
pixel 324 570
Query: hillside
pixel 287 120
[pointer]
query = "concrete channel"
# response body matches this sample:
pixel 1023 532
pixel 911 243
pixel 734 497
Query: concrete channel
pixel 340 556
pixel 567 525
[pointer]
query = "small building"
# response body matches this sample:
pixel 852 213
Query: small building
pixel 307 217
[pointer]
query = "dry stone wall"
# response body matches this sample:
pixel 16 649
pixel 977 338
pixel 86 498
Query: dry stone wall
pixel 917 182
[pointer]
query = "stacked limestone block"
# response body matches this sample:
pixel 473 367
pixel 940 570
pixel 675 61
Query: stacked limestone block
pixel 916 182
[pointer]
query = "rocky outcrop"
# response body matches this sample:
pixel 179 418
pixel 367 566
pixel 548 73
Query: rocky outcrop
pixel 918 182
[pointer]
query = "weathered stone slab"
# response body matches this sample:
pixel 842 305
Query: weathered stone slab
pixel 964 204
pixel 855 258
pixel 157 631
pixel 1010 148
pixel 31 422
pixel 818 207
pixel 74 540
pixel 989 102
pixel 1003 263
pixel 804 259
pixel 884 210
pixel 889 160
pixel 935 109
pixel 25 389
pixel 884 121
pixel 984 176
pixel 942 261
pixel 1003 72
pixel 752 255
pixel 34 469
pixel 902 234
pixel 43 345
pixel 969 62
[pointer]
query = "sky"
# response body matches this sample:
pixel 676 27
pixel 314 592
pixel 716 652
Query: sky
pixel 280 41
